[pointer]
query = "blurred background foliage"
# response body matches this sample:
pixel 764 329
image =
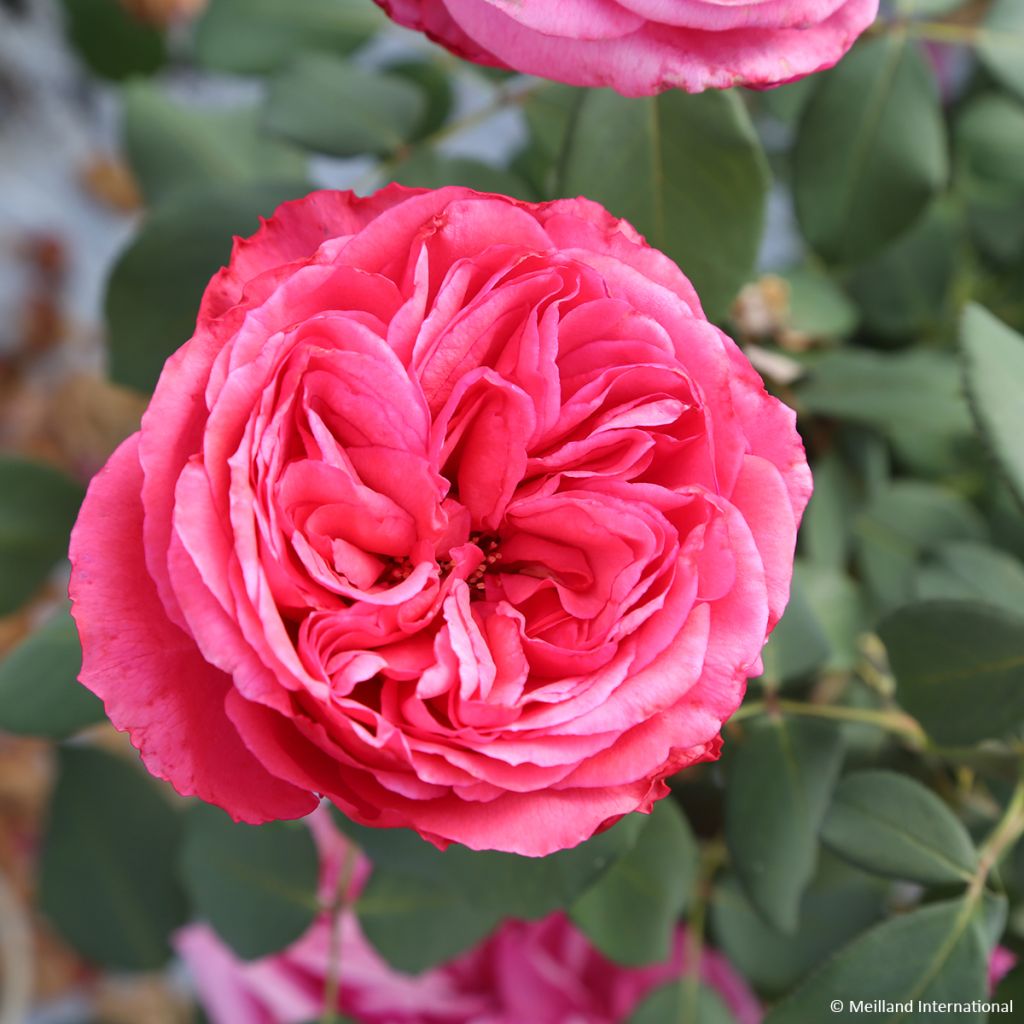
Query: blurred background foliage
pixel 861 233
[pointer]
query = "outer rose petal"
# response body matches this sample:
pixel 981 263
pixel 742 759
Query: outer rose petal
pixel 685 44
pixel 149 674
pixel 297 229
pixel 747 13
pixel 771 429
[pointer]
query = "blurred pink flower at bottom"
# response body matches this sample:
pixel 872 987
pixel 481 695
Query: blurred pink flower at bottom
pixel 541 972
pixel 526 972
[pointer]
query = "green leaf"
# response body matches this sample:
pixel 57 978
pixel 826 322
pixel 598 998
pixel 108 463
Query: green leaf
pixel 870 151
pixel 839 609
pixel 108 870
pixel 511 884
pixel 154 291
pixel 990 171
pixel 900 526
pixel 703 1005
pixel 893 826
pixel 974 572
pixel 890 391
pixel 787 102
pixel 927 8
pixel 1011 987
pixel 959 668
pixel 837 905
pixel 994 377
pixel 534 887
pixel 425 168
pixel 39 691
pixel 355 112
pixel 1005 516
pixel 255 36
pixel 870 461
pixel 906 289
pixel 798 644
pixel 550 111
pixel 937 953
pixel 914 398
pixel 256 885
pixel 422 906
pixel 112 42
pixel 415 925
pixel 632 912
pixel 1000 43
pixel 818 307
pixel 825 532
pixel 435 86
pixel 171 146
pixel 779 784
pixel 686 171
pixel 993 915
pixel 38 506
pixel 990 143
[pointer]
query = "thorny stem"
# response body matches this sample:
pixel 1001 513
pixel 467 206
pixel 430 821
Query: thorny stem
pixel 336 909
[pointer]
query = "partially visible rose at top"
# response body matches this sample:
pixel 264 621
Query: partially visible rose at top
pixel 641 47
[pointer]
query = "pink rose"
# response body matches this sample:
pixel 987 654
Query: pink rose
pixel 640 47
pixel 456 510
pixel 544 972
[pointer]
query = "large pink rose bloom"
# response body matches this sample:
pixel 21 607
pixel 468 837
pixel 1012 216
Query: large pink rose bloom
pixel 456 510
pixel 541 972
pixel 640 47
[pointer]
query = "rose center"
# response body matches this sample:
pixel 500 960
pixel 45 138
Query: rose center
pixel 491 548
pixel 398 568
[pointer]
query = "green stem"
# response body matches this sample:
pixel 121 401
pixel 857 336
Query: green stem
pixel 712 857
pixel 891 721
pixel 956 34
pixel 338 905
pixel 944 32
pixel 1003 836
